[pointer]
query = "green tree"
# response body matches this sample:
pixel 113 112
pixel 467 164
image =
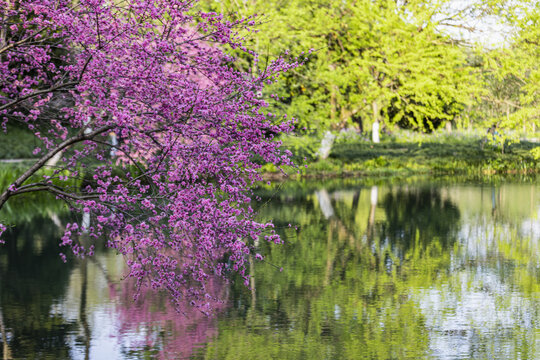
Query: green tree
pixel 378 60
pixel 513 71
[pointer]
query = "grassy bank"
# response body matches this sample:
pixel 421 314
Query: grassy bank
pixel 402 154
pixel 439 154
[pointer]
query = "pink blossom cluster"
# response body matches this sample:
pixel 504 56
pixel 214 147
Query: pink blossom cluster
pixel 191 129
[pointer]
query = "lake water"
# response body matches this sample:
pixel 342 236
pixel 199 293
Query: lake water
pixel 427 269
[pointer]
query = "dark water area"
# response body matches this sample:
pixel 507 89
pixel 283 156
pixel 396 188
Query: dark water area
pixel 391 271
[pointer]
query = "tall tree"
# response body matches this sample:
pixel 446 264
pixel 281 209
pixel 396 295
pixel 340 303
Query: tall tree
pixel 513 70
pixel 387 61
pixel 174 199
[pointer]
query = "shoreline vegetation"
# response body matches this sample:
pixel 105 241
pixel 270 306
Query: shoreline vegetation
pixel 401 154
pixel 408 154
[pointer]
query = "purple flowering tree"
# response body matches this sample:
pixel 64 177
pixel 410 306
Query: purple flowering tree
pixel 137 103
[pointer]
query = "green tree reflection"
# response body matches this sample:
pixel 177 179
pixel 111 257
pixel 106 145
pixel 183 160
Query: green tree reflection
pixel 33 280
pixel 421 210
pixel 345 291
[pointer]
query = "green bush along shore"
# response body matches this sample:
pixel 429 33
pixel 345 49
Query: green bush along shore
pixel 408 154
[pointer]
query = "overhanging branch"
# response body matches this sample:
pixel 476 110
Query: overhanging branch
pixel 43 160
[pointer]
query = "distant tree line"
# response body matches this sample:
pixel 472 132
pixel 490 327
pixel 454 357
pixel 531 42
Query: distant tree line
pixel 401 63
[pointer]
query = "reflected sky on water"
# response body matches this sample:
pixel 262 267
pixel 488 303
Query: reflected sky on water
pixel 425 270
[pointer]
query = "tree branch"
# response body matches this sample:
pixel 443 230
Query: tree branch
pixel 54 190
pixel 42 161
pixel 20 42
pixel 36 93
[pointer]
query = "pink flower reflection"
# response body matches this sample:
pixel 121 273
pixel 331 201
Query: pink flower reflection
pixel 153 324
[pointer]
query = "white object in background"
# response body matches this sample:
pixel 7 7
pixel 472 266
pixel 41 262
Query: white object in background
pixel 85 221
pixel 114 143
pixel 326 145
pixel 374 195
pixel 375 132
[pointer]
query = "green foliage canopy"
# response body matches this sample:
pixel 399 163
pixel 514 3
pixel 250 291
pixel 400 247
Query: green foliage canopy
pixel 512 72
pixel 373 60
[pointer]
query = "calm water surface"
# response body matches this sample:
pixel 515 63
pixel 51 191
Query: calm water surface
pixel 429 270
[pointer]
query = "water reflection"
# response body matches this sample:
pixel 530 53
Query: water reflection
pixel 379 272
pixel 395 272
pixel 419 214
pixel 80 310
pixel 32 281
pixel 152 327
